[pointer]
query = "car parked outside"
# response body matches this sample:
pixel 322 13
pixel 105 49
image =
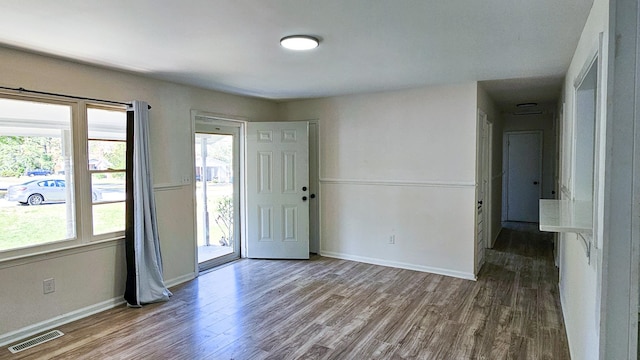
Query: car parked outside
pixel 36 192
pixel 39 172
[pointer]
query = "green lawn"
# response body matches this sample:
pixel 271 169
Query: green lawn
pixel 31 225
pixel 23 225
pixel 214 193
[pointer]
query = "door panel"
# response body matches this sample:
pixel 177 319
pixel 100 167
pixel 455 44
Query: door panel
pixel 524 158
pixel 278 190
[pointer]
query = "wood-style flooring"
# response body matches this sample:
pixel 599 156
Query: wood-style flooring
pixel 334 309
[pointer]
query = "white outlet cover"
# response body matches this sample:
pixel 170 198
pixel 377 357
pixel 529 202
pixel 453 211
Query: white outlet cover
pixel 49 286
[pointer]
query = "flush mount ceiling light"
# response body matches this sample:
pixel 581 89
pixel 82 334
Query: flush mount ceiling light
pixel 299 42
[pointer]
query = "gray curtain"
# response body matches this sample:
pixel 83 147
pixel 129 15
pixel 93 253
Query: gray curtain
pixel 145 283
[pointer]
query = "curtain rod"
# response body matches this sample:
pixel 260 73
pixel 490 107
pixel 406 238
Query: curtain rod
pixel 64 95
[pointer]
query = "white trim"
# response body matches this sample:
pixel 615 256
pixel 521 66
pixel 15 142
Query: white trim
pixel 400 265
pixel 59 320
pixel 483 172
pixel 563 307
pixel 180 279
pixel 206 119
pixel 168 186
pixel 60 252
pixel 446 184
pixel 620 251
pixel 314 183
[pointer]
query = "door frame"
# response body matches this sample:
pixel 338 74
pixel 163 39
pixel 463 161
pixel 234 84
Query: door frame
pixel 483 180
pixel 239 184
pixel 505 163
pixel 314 186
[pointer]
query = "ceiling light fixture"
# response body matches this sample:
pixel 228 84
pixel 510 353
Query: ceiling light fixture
pixel 527 105
pixel 299 42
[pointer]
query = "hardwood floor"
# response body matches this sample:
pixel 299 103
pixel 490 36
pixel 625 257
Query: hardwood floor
pixel 333 309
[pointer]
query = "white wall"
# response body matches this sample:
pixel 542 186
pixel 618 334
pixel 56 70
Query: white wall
pixel 398 163
pixel 579 279
pixel 93 277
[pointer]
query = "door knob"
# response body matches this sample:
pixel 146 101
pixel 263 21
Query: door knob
pixel 535 183
pixel 304 198
pixel 313 196
pixel 304 188
pixel 480 202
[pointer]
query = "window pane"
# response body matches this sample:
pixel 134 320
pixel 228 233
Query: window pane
pixel 107 124
pixel 108 218
pixel 108 187
pixel 107 155
pixel 36 187
pixel 107 134
pixel 107 139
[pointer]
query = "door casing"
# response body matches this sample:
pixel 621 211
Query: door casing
pixel 203 122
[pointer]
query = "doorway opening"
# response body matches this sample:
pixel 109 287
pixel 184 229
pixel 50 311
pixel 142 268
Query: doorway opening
pixel 217 192
pixel 522 186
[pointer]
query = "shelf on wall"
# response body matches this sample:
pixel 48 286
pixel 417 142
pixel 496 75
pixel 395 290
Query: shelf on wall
pixel 566 216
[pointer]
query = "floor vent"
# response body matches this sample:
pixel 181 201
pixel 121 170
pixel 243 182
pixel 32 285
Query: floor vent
pixel 36 341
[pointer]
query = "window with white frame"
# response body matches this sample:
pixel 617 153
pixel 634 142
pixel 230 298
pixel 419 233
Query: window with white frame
pixel 62 174
pixel 107 144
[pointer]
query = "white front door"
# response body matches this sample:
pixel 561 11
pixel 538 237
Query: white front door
pixel 278 190
pixel 524 160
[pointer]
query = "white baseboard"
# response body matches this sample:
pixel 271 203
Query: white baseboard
pixel 563 303
pixel 180 279
pixel 400 265
pixel 42 326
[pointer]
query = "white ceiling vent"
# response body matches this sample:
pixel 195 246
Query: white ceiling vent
pixel 35 341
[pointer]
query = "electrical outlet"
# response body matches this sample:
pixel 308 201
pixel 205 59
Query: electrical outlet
pixel 186 180
pixel 49 286
pixel 392 239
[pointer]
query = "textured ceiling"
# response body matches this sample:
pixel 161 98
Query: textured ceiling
pixel 366 45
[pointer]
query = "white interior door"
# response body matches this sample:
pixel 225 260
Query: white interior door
pixel 482 182
pixel 524 163
pixel 278 190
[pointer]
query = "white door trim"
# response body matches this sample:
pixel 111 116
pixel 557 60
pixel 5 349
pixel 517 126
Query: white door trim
pixel 231 121
pixel 314 185
pixel 483 179
pixel 621 248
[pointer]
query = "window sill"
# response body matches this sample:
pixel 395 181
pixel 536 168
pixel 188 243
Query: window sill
pixel 43 255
